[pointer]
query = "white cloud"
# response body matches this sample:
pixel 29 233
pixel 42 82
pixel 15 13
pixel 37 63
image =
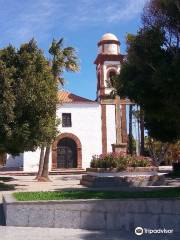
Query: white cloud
pixel 131 9
pixel 105 11
pixel 22 20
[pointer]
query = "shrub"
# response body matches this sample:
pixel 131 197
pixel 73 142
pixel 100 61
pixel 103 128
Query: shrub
pixel 103 161
pixel 140 161
pixel 119 160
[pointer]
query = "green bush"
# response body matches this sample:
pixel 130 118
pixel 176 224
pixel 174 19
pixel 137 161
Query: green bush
pixel 139 161
pixel 103 161
pixel 119 160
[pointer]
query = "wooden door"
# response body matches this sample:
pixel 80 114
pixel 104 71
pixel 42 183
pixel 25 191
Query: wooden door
pixel 66 154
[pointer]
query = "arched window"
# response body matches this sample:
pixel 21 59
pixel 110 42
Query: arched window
pixel 111 76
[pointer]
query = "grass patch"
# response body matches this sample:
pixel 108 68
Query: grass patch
pixel 65 195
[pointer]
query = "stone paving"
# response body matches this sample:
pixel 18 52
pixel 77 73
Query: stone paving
pixel 21 233
pixel 28 183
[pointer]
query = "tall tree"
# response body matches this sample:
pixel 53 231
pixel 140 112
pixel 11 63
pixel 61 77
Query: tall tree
pixel 136 115
pixel 130 142
pixel 7 98
pixel 142 132
pixel 150 75
pixel 27 98
pixel 63 59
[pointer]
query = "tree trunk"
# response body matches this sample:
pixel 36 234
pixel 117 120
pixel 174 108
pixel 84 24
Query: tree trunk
pixel 41 163
pixel 142 132
pixel 130 130
pixel 45 172
pixel 138 135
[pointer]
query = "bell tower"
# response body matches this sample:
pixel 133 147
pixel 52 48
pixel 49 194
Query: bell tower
pixel 108 64
pixel 113 110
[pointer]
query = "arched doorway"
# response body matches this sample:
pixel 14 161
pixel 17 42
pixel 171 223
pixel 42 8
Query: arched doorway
pixel 66 153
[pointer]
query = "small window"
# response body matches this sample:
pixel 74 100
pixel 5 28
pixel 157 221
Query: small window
pixel 66 120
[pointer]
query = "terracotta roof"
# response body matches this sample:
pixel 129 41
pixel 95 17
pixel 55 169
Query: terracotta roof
pixel 67 97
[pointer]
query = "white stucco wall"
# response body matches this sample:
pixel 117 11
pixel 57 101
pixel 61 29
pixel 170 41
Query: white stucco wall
pixel 28 161
pixel 86 125
pixel 111 126
pixel 31 161
pixel 15 161
pixel 111 49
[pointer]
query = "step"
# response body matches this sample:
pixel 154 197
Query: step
pixel 53 172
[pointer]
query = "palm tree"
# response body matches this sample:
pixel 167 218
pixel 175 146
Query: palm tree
pixel 63 59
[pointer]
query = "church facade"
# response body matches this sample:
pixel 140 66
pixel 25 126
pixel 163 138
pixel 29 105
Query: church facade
pixel 87 127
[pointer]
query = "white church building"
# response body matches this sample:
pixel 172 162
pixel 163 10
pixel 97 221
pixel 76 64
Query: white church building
pixel 87 127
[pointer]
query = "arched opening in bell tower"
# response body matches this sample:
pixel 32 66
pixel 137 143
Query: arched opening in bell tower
pixel 111 75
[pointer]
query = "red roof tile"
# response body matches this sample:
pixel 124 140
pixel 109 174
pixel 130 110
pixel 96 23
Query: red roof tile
pixel 67 97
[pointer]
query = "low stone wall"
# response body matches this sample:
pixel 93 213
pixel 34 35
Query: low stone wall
pixel 105 180
pixel 124 214
pixel 129 169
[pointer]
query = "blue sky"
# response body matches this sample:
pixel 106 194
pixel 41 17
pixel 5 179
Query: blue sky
pixel 80 22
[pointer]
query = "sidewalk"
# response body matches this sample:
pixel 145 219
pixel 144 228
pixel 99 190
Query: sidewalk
pixel 21 233
pixel 28 183
pixel 11 183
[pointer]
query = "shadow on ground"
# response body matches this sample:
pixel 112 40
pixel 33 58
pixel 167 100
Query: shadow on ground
pixel 119 235
pixel 7 187
pixel 106 235
pixel 4 186
pixel 6 179
pixel 2 218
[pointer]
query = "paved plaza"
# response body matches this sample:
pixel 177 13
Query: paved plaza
pixel 21 233
pixel 12 183
pixel 28 183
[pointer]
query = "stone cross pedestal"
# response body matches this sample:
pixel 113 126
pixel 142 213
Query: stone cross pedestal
pixel 121 147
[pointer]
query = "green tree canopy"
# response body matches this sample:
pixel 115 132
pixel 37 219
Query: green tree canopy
pixel 7 97
pixel 27 98
pixel 150 76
